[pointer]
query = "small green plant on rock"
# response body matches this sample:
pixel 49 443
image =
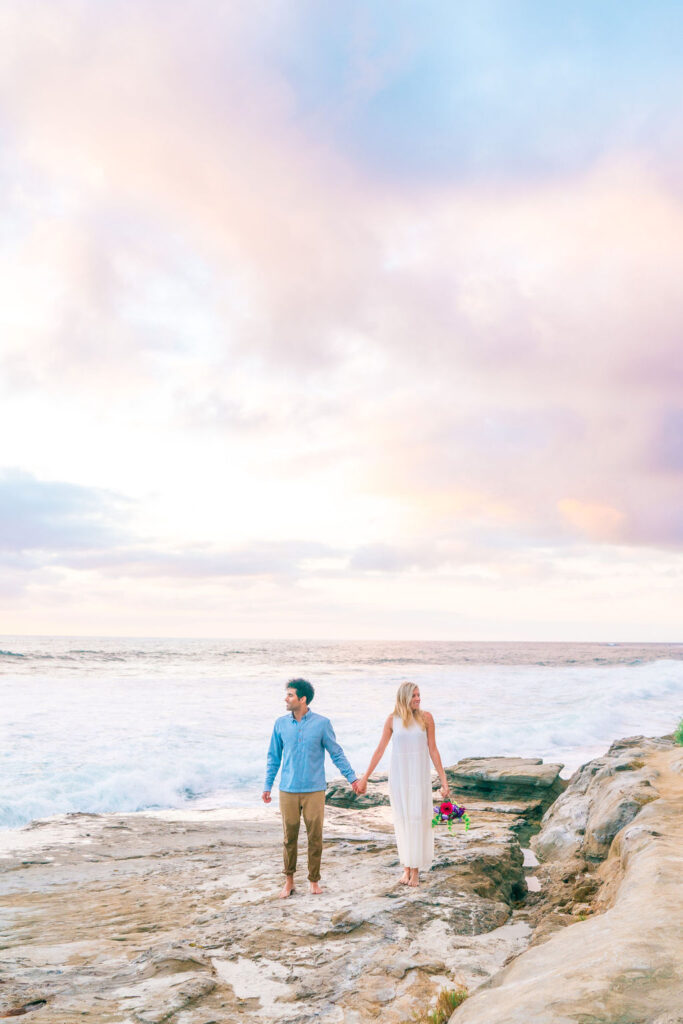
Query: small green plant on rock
pixel 447 1000
pixel 678 735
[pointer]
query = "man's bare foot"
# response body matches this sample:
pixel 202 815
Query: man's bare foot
pixel 288 887
pixel 414 879
pixel 405 877
pixel 315 889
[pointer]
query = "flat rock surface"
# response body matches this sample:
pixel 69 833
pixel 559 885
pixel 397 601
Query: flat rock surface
pixel 520 771
pixel 149 919
pixel 507 778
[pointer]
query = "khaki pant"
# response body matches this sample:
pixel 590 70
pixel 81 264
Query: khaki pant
pixel 312 806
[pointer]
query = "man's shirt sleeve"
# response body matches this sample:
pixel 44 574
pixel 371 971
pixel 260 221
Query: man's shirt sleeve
pixel 336 753
pixel 273 759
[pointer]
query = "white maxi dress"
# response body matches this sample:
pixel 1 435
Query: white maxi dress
pixel 410 792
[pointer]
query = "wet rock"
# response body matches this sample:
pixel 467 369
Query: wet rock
pixel 478 917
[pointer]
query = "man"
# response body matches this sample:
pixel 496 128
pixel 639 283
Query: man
pixel 300 739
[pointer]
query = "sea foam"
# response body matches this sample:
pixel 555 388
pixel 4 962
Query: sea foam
pixel 108 725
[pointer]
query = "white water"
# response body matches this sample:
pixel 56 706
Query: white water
pixel 123 725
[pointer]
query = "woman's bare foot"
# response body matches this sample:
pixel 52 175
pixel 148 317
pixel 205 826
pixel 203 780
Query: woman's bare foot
pixel 315 889
pixel 405 877
pixel 414 880
pixel 288 887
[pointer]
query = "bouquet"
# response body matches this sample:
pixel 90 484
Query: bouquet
pixel 446 813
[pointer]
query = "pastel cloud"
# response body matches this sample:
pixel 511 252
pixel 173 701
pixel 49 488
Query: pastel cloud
pixel 41 515
pixel 60 524
pixel 428 321
pixel 601 522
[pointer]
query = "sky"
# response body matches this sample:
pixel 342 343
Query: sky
pixel 341 320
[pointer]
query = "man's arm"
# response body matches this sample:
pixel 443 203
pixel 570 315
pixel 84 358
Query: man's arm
pixel 272 762
pixel 337 754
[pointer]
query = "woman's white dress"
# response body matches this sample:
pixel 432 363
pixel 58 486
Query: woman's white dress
pixel 410 792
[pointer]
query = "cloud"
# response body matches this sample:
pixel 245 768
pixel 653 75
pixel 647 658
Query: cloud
pixel 282 560
pixel 387 558
pixel 119 110
pixel 423 313
pixel 596 521
pixel 40 515
pixel 56 526
pixel 666 449
pixel 182 197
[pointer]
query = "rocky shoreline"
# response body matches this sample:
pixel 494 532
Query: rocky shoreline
pixel 148 918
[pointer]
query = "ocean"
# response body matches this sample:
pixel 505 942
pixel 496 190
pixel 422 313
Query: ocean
pixel 102 724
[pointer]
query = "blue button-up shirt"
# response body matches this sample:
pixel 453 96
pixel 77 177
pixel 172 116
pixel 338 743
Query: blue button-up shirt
pixel 301 746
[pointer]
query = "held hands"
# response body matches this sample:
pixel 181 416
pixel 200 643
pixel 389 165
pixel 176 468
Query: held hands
pixel 360 785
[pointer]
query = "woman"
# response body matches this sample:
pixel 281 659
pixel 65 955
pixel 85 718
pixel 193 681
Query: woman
pixel 410 780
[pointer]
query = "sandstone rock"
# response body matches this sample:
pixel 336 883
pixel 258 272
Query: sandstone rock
pixel 491 868
pixel 378 990
pixel 477 918
pixel 601 798
pixel 179 921
pixel 564 824
pixel 399 967
pixel 171 959
pixel 145 920
pixel 639 746
pixel 506 778
pixel 614 806
pixel 19 1011
pixel 623 965
pixel 158 999
pixel 585 889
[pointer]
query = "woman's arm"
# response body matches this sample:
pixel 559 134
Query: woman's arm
pixel 381 747
pixel 434 752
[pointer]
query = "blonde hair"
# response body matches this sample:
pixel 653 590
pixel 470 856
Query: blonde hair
pixel 403 708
